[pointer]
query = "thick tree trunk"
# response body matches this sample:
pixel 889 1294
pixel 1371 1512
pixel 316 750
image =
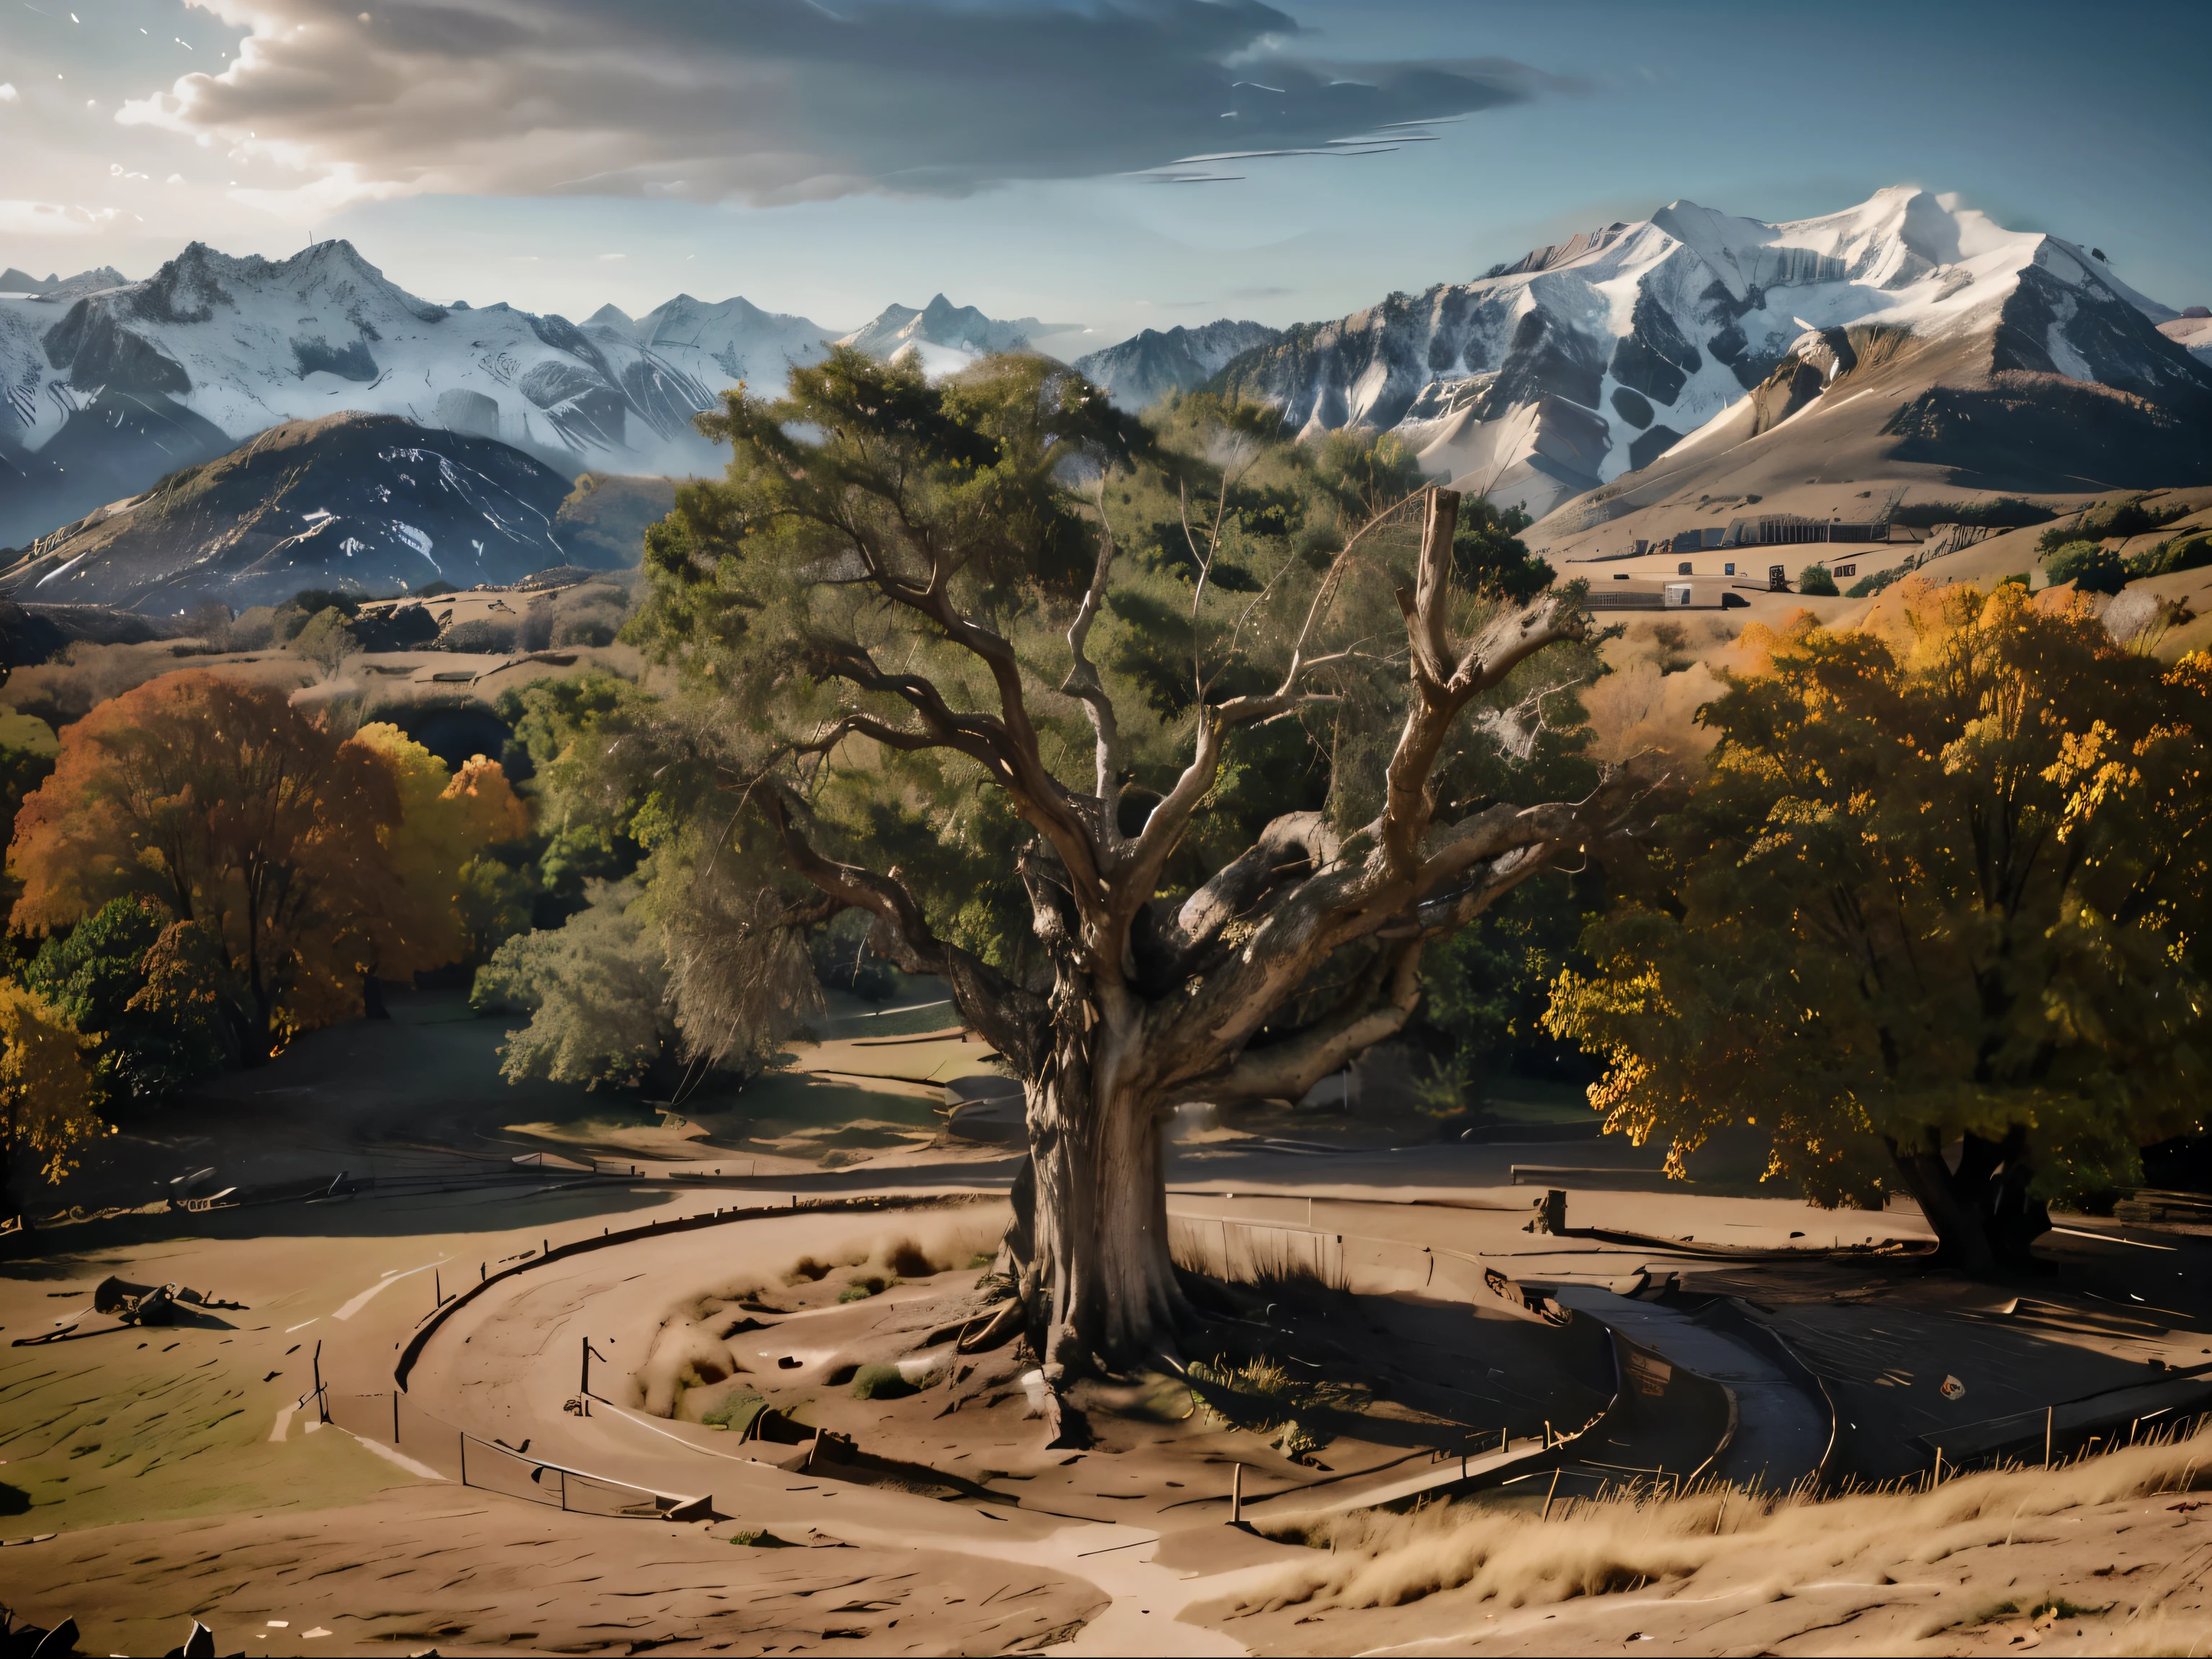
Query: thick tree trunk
pixel 1090 1230
pixel 1985 1219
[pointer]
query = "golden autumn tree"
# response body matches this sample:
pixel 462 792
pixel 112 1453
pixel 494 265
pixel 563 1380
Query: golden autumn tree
pixel 1933 920
pixel 307 862
pixel 46 1094
pixel 445 820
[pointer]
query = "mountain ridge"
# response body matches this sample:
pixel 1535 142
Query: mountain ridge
pixel 1581 363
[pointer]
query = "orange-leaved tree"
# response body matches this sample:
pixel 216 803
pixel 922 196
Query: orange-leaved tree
pixel 293 849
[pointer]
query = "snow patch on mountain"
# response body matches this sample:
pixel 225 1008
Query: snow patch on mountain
pixel 103 388
pixel 1146 368
pixel 943 337
pixel 20 284
pixel 1580 362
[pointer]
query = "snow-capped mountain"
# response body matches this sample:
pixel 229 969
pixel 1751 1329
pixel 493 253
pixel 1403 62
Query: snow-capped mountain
pixel 1143 368
pixel 945 337
pixel 2192 331
pixel 15 283
pixel 1586 361
pixel 362 503
pixel 102 393
pixel 717 345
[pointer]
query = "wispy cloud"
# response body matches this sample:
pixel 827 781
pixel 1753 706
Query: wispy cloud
pixel 769 100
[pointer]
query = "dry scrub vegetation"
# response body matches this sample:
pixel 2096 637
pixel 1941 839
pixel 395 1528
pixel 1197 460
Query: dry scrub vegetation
pixel 1661 675
pixel 1766 1548
pixel 693 1351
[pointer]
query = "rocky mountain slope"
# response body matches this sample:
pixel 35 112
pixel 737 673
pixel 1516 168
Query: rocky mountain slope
pixel 102 393
pixel 1143 369
pixel 363 503
pixel 106 384
pixel 15 283
pixel 2015 356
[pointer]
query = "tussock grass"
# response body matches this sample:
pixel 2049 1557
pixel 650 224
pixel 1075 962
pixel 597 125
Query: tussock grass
pixel 1785 1540
pixel 1261 1395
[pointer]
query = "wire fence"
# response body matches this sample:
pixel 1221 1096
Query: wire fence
pixel 391 1418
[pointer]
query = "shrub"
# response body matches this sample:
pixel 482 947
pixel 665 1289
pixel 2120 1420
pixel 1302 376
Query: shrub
pixel 2186 552
pixel 2128 517
pixel 2091 569
pixel 587 629
pixel 1818 579
pixel 881 1383
pixel 485 635
pixel 1866 587
pixel 2006 513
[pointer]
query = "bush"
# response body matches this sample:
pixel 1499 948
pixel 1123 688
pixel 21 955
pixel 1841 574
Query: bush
pixel 2007 512
pixel 484 635
pixel 2091 569
pixel 587 629
pixel 2187 552
pixel 1866 587
pixel 311 601
pixel 881 1383
pixel 327 639
pixel 1817 580
pixel 2113 518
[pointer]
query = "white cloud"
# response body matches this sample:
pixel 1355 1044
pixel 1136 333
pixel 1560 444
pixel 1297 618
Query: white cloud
pixel 7 93
pixel 784 100
pixel 52 219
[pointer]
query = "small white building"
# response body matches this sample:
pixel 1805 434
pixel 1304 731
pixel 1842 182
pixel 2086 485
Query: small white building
pixel 1678 596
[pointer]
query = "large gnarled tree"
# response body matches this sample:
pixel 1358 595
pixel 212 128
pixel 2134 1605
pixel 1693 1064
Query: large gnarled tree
pixel 925 586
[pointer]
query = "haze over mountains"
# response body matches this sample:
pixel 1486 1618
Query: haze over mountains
pixel 1904 339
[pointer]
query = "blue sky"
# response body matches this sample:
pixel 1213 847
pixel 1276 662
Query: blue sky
pixel 831 156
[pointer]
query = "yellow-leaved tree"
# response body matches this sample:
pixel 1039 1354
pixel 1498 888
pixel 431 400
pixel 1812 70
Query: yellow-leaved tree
pixel 1934 921
pixel 45 1094
pixel 449 903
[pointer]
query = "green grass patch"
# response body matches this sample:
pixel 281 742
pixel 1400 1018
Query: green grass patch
pixel 881 1383
pixel 735 1414
pixel 759 1538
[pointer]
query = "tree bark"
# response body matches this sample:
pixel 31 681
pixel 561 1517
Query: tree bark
pixel 1099 1284
pixel 1986 1220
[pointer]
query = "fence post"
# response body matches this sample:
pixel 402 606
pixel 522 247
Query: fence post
pixel 464 1455
pixel 322 1405
pixel 1236 1494
pixel 395 1417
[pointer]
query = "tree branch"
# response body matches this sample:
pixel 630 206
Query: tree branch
pixel 1083 682
pixel 1286 1071
pixel 1014 1021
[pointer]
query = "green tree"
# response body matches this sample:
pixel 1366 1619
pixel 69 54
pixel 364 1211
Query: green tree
pixel 1817 580
pixel 959 681
pixel 1490 557
pixel 146 1046
pixel 1941 889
